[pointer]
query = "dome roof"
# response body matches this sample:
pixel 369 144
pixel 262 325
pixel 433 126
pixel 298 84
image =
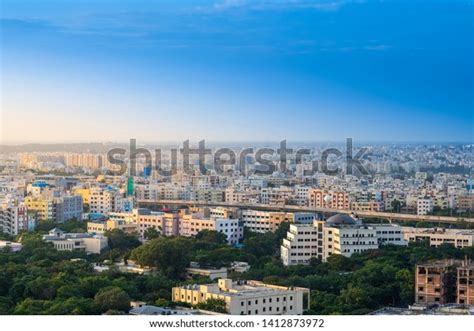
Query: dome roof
pixel 340 219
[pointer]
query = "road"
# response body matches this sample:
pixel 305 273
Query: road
pixel 291 208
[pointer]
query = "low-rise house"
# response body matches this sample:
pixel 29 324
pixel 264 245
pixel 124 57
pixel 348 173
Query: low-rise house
pixel 211 273
pixel 63 241
pixel 14 247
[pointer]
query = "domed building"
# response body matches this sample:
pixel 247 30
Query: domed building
pixel 341 220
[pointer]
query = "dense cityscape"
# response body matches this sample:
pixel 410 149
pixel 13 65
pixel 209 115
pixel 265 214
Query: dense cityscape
pixel 236 164
pixel 78 238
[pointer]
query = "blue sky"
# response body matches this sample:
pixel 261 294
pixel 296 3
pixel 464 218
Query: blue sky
pixel 236 70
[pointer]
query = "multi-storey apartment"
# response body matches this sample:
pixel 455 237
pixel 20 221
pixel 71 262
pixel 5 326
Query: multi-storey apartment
pixel 45 208
pixel 264 221
pixel 100 227
pixel 329 199
pixel 13 218
pixel 275 196
pixel 141 219
pixel 208 195
pixel 466 202
pixel 165 223
pixel 424 205
pixel 58 209
pixel 367 206
pixel 104 201
pixel 233 195
pixel 191 224
pixel 84 160
pixel 340 234
pixel 247 297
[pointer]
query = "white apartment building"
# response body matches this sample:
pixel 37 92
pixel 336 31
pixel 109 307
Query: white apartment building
pixel 247 297
pixel 424 205
pixel 301 245
pixel 302 195
pixel 438 236
pixel 13 218
pixel 340 234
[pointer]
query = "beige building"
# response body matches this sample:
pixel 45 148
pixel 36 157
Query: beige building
pixel 191 224
pixel 438 236
pixel 100 227
pixel 265 221
pixel 138 221
pixel 367 206
pixel 247 297
pixel 104 201
pixel 466 202
pixel 329 199
pixel 62 241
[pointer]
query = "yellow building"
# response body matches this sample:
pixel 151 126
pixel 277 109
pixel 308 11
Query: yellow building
pixel 44 207
pixel 84 193
pixel 100 227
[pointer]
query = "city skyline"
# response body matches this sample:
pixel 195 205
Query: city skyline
pixel 236 71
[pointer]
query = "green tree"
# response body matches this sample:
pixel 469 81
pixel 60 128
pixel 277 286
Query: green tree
pixel 112 298
pixel 171 255
pixel 151 233
pixel 212 237
pixel 121 240
pixel 212 304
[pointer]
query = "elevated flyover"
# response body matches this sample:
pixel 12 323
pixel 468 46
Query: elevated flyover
pixel 292 208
